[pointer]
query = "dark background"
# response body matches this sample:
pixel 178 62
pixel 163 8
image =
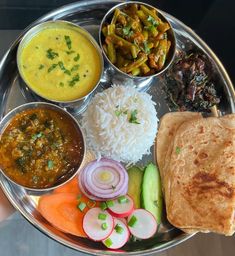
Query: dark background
pixel 213 20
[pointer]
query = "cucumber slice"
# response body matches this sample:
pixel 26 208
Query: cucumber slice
pixel 151 196
pixel 134 185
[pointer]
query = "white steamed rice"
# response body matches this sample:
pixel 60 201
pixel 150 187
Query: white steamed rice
pixel 111 134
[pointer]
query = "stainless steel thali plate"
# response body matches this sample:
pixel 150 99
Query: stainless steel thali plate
pixel 88 14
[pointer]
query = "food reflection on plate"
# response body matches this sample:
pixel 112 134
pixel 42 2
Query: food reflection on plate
pixel 39 146
pixel 60 61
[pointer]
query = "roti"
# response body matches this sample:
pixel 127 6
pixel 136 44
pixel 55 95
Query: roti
pixel 169 124
pixel 200 179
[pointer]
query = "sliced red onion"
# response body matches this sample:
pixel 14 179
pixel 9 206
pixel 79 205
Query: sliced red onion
pixel 103 179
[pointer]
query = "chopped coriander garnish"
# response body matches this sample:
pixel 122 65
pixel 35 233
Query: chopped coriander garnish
pixel 75 68
pixel 62 67
pixel 118 229
pixel 104 226
pixel 108 242
pixel 51 55
pixel 109 203
pixel 50 164
pixel 132 221
pixel 133 118
pixel 70 52
pixel 81 206
pixel 37 135
pixel 103 206
pixel 74 80
pixel 61 84
pixel 41 67
pixel 177 150
pixel 152 21
pixel 118 113
pixel 113 187
pixel 67 72
pixel 125 112
pixel 53 66
pixel 68 41
pixel 127 31
pixel 146 48
pixel 77 57
pixel 102 216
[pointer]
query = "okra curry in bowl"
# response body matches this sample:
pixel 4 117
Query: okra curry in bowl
pixel 60 61
pixel 41 146
pixel 137 40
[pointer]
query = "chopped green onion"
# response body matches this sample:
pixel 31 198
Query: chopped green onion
pixel 108 242
pixel 119 229
pixel 109 203
pixel 50 164
pixel 132 221
pixel 177 150
pixel 122 200
pixel 81 206
pixel 102 216
pixel 104 226
pixel 103 206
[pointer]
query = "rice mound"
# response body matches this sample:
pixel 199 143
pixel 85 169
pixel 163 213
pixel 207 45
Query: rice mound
pixel 108 128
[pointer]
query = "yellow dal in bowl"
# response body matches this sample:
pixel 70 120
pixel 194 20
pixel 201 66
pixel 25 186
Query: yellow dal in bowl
pixel 60 64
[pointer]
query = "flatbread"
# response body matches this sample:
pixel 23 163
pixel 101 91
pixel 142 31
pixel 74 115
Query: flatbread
pixel 200 179
pixel 169 124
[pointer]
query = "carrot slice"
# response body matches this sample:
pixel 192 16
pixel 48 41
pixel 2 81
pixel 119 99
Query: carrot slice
pixel 61 211
pixel 69 187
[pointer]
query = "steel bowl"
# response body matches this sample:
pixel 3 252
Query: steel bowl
pixel 140 82
pixel 33 105
pixel 79 104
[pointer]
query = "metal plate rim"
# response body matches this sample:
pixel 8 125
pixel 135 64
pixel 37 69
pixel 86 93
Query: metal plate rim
pixel 6 188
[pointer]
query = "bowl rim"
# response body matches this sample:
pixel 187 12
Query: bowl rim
pixel 40 27
pixel 46 105
pixel 110 11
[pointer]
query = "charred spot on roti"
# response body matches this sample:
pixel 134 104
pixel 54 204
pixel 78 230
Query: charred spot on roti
pixel 203 182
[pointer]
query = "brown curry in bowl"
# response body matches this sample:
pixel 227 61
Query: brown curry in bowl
pixel 39 146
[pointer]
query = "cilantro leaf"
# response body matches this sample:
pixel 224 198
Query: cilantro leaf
pixel 68 42
pixel 51 55
pixel 133 117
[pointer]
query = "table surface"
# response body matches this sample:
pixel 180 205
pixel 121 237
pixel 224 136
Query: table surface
pixel 19 236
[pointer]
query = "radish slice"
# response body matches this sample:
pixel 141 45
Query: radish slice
pixel 118 237
pixel 142 224
pixel 98 229
pixel 121 209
